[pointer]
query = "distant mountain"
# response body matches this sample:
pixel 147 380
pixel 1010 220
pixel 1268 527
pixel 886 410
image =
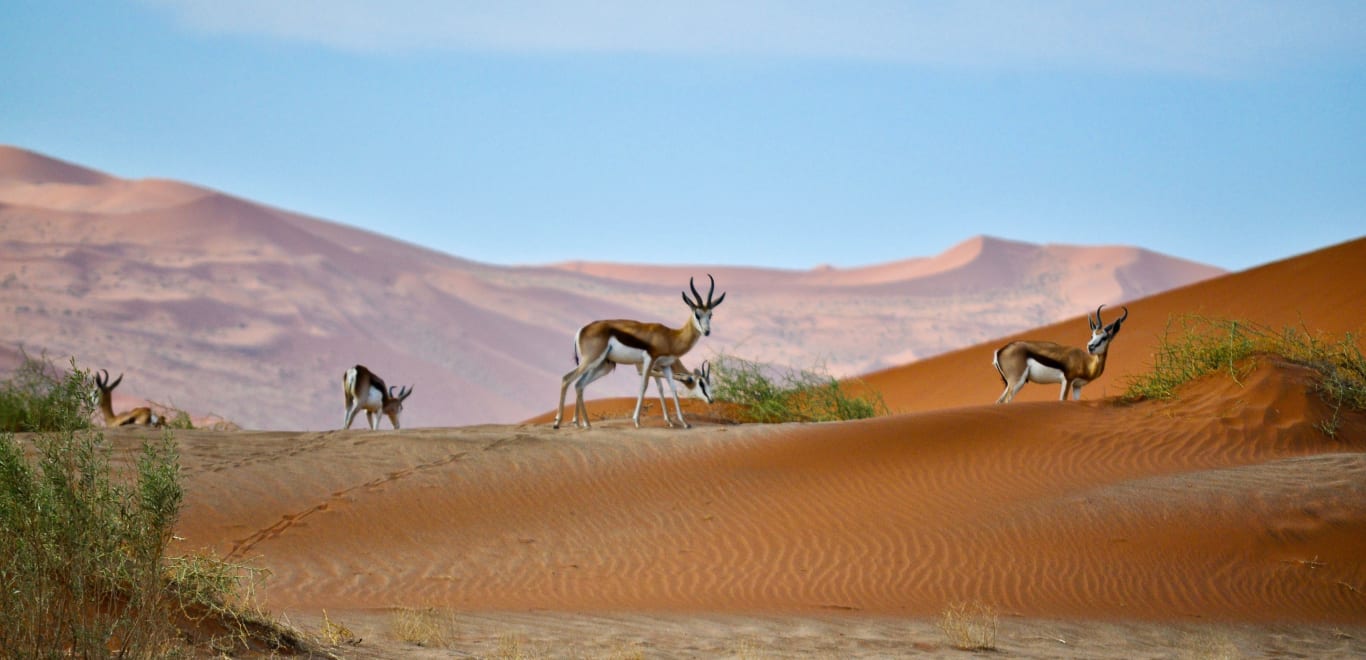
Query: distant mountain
pixel 217 304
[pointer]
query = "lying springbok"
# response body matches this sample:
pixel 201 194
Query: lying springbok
pixel 695 382
pixel 652 345
pixel 136 417
pixel 365 391
pixel 1021 362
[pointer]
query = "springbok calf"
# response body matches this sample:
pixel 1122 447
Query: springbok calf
pixel 695 382
pixel 136 417
pixel 651 345
pixel 365 391
pixel 1021 362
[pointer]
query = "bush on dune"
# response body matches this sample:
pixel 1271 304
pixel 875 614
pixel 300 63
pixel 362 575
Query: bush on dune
pixel 765 396
pixel 80 560
pixel 83 564
pixel 38 397
pixel 1194 346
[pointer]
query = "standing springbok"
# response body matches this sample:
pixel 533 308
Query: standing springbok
pixel 136 417
pixel 651 345
pixel 695 382
pixel 365 391
pixel 1021 362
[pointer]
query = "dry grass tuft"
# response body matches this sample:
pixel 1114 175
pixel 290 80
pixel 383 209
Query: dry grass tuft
pixel 335 633
pixel 1210 645
pixel 510 648
pixel 427 627
pixel 970 626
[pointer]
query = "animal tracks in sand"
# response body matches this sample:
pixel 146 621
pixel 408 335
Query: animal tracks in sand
pixel 336 499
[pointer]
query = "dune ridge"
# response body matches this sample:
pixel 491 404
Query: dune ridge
pixel 1214 506
pixel 168 281
pixel 1320 292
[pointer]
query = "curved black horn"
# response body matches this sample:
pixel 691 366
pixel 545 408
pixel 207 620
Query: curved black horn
pixel 101 381
pixel 710 302
pixel 1122 317
pixel 403 393
pixel 695 294
pixel 1098 322
pixel 115 383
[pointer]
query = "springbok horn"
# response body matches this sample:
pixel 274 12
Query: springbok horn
pixel 1120 320
pixel 695 294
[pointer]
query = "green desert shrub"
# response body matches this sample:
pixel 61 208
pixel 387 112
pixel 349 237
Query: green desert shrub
pixel 81 556
pixel 1193 346
pixel 809 395
pixel 39 397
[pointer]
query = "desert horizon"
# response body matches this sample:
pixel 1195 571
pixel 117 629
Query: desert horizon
pixel 1019 330
pixel 169 282
pixel 1227 521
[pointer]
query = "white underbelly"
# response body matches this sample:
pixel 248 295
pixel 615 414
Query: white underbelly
pixel 373 400
pixel 1041 373
pixel 622 354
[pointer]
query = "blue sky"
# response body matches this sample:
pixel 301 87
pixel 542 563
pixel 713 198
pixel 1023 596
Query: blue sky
pixel 787 134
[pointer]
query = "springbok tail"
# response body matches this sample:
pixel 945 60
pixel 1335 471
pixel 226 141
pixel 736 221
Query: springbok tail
pixel 349 384
pixel 996 362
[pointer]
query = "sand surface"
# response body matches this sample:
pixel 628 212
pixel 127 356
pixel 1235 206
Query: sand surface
pixel 1218 518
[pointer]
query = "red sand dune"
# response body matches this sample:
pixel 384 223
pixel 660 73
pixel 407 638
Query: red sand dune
pixel 1322 291
pixel 191 291
pixel 1228 503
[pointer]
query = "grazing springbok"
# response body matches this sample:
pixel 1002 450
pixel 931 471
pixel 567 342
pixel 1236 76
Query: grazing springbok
pixel 365 391
pixel 1021 362
pixel 651 345
pixel 136 417
pixel 695 382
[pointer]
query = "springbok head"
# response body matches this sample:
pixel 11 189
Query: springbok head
pixel 701 311
pixel 394 405
pixel 1101 333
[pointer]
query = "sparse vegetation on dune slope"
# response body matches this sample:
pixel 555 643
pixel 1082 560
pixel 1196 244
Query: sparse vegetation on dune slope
pixel 765 396
pixel 38 397
pixel 1194 346
pixel 83 564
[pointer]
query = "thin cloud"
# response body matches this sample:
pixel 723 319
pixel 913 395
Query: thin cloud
pixel 1188 37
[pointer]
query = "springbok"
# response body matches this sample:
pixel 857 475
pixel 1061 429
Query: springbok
pixel 651 345
pixel 136 417
pixel 695 382
pixel 365 391
pixel 1021 362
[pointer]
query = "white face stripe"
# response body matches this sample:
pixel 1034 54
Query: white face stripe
pixel 701 319
pixel 1099 339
